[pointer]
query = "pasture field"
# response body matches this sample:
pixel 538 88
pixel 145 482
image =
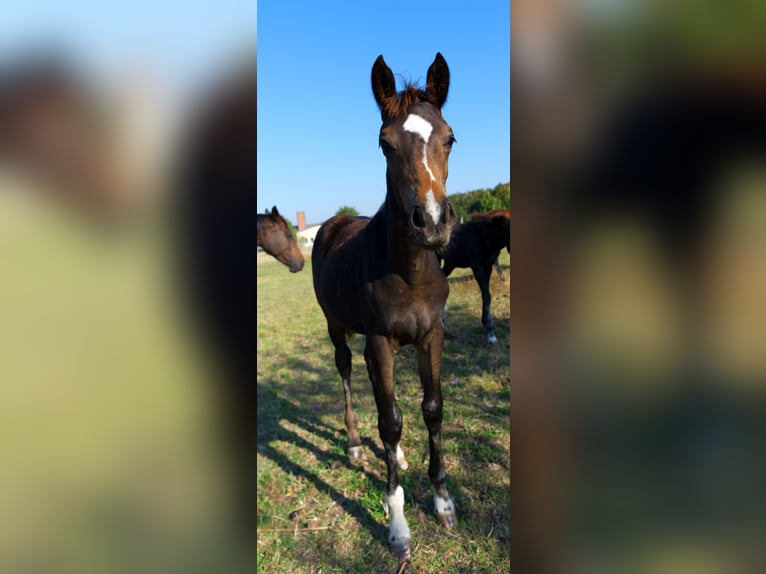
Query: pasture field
pixel 317 513
pixel 105 462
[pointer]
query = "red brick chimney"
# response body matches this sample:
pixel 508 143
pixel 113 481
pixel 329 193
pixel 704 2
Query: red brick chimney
pixel 301 220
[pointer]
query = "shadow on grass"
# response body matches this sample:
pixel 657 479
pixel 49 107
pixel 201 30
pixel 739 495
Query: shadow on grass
pixel 276 413
pixel 293 413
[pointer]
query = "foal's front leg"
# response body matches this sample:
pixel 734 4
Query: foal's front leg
pixel 380 365
pixel 429 364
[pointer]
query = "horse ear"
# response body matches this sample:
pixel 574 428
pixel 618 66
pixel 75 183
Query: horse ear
pixel 274 212
pixel 383 86
pixel 437 81
pixel 267 211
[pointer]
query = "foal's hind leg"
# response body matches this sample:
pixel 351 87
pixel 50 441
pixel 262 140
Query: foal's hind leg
pixel 343 363
pixel 483 273
pixel 499 270
pixel 429 364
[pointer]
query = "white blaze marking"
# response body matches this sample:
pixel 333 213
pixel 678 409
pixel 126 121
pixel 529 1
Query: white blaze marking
pixel 417 125
pixel 399 529
pixel 432 207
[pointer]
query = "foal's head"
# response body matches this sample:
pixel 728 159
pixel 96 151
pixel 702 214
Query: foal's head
pixel 277 240
pixel 416 142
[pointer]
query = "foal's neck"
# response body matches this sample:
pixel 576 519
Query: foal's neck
pixel 404 254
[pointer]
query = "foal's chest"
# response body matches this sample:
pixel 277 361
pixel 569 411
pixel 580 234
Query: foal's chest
pixel 408 313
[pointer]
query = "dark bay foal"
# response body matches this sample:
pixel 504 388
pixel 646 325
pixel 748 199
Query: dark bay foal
pixel 380 277
pixel 476 244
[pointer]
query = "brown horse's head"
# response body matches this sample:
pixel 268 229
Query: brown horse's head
pixel 276 239
pixel 416 142
pixel 57 129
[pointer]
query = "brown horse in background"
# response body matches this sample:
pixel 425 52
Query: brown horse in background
pixel 276 239
pixel 476 244
pixel 380 277
pixel 56 130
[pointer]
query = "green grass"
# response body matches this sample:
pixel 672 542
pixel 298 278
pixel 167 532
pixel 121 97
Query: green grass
pixel 318 513
pixel 103 424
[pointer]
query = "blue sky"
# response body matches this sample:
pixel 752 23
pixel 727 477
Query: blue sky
pixel 318 122
pixel 185 41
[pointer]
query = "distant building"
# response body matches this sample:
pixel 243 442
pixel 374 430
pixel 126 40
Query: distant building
pixel 308 234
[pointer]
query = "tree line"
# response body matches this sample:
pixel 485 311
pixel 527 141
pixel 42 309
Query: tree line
pixel 481 200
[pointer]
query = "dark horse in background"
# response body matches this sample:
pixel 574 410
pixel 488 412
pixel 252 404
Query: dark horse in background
pixel 215 210
pixel 59 132
pixel 276 239
pixel 380 277
pixel 507 213
pixel 476 244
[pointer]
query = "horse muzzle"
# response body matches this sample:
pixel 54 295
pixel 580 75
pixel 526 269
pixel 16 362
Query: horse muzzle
pixel 433 229
pixel 295 266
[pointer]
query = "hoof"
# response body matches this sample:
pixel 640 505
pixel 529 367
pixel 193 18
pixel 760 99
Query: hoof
pixel 355 453
pixel 401 548
pixel 448 518
pixel 491 339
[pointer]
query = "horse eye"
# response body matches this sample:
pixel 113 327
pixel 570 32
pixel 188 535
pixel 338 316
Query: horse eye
pixel 385 146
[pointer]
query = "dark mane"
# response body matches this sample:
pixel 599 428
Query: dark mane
pixel 408 97
pixel 260 222
pixel 263 219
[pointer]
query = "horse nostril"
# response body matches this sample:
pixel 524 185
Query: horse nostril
pixel 417 217
pixel 448 214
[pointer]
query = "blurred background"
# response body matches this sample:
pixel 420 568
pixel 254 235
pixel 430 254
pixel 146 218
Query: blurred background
pixel 638 140
pixel 107 459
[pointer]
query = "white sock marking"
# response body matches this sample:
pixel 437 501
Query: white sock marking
pixel 491 339
pixel 399 529
pixel 443 506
